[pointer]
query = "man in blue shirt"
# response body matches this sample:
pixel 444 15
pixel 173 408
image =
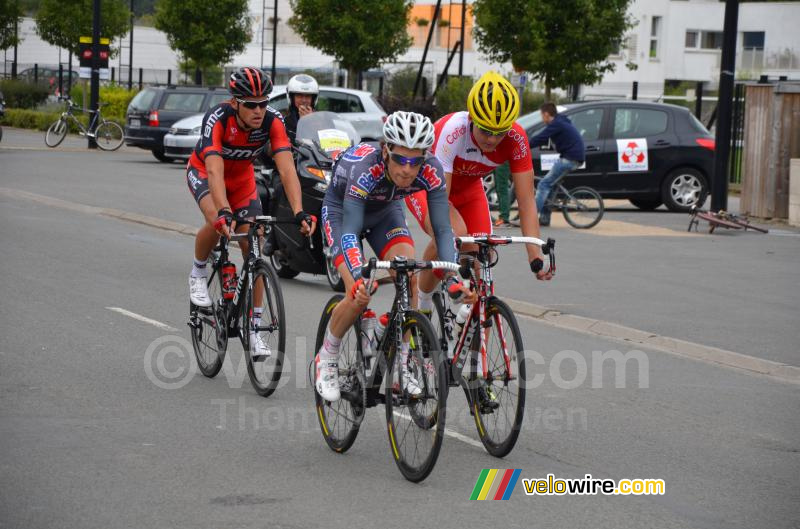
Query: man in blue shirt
pixel 568 143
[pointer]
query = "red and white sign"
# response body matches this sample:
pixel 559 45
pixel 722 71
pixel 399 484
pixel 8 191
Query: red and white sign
pixel 632 155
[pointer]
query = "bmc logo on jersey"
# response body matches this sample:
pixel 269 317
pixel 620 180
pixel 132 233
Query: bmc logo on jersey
pixel 358 153
pixel 351 252
pixel 240 154
pixel 212 120
pixel 430 178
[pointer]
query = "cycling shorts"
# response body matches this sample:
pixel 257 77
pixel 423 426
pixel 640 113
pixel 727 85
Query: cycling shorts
pixel 470 202
pixel 243 198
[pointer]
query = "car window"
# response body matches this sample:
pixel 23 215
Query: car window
pixel 143 100
pixel 338 102
pixel 639 122
pixel 588 123
pixel 280 103
pixel 216 99
pixel 184 102
pixel 698 125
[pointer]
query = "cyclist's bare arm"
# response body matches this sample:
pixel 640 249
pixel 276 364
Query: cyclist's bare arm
pixel 528 216
pixel 291 184
pixel 215 168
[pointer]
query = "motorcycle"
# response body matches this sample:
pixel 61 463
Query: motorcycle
pixel 321 136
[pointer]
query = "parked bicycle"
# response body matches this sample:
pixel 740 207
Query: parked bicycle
pixel 415 423
pixel 231 313
pixel 485 354
pixel 107 134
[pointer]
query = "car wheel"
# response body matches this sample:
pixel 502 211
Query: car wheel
pixel 282 267
pixel 683 188
pixel 646 204
pixel 159 155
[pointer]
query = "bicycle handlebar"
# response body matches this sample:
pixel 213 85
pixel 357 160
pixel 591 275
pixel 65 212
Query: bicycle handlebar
pixel 493 240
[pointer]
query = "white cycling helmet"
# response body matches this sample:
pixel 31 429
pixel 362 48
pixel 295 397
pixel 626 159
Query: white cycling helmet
pixel 302 84
pixel 408 129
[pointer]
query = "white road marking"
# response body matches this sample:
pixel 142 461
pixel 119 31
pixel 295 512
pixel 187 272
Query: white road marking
pixel 448 432
pixel 145 319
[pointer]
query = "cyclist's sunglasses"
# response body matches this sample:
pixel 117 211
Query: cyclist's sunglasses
pixel 416 161
pixel 491 132
pixel 253 104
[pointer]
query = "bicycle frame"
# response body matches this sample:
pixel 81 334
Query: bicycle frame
pixel 484 285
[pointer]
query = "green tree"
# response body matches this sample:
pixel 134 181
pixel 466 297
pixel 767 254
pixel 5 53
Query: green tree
pixel 207 33
pixel 560 43
pixel 10 14
pixel 360 34
pixel 63 22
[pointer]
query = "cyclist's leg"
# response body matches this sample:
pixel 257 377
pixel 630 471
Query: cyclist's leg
pixel 557 172
pixel 205 240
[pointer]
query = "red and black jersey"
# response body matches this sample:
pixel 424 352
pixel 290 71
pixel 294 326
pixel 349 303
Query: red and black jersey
pixel 222 136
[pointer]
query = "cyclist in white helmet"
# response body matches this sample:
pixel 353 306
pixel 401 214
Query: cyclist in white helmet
pixel 301 92
pixel 366 193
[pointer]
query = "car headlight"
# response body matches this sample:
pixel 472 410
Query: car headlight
pixel 196 130
pixel 172 130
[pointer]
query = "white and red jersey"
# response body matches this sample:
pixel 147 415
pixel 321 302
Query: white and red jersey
pixel 455 147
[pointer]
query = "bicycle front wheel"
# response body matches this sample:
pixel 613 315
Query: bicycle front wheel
pixel 56 133
pixel 341 420
pixel 109 136
pixel 264 369
pixel 209 329
pixel 498 400
pixel 582 207
pixel 416 422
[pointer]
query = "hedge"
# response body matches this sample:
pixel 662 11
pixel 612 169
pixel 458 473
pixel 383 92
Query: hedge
pixel 116 96
pixel 19 94
pixel 33 119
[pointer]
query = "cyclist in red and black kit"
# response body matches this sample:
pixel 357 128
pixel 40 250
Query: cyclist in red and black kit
pixel 220 174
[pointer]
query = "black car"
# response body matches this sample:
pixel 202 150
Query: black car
pixel 648 153
pixel 153 111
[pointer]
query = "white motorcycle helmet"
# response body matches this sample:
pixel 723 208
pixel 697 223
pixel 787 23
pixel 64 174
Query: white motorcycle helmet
pixel 302 84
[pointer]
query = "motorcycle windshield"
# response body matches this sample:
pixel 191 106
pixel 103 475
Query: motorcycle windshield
pixel 327 131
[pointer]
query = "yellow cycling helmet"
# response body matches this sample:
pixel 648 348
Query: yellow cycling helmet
pixel 493 103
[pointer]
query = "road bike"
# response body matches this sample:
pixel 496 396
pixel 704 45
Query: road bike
pixel 107 134
pixel 231 312
pixel 415 424
pixel 485 354
pixel 721 218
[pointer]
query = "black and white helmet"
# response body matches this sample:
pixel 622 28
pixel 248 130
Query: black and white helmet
pixel 408 129
pixel 302 84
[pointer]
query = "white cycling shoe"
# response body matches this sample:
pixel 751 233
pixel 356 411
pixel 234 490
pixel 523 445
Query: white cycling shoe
pixel 198 291
pixel 326 379
pixel 411 386
pixel 259 349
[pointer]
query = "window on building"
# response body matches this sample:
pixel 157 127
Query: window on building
pixel 752 50
pixel 712 40
pixel 753 40
pixel 692 38
pixel 655 34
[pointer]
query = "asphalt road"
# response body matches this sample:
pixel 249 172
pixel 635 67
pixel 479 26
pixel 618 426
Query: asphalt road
pixel 91 438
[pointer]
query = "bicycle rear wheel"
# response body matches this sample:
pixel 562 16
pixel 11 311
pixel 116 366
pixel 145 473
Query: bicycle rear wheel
pixel 416 424
pixel 340 420
pixel 209 330
pixel 265 372
pixel 109 136
pixel 498 401
pixel 56 133
pixel 582 207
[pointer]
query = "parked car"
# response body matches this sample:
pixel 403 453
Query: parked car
pixel 155 109
pixel 648 153
pixel 356 106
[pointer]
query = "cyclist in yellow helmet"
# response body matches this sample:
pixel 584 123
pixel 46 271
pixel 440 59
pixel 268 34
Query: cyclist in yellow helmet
pixel 470 145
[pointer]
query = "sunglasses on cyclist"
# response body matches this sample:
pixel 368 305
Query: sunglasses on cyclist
pixel 492 132
pixel 253 104
pixel 415 161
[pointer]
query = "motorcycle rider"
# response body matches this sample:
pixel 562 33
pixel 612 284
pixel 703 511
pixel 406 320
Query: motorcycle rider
pixel 301 92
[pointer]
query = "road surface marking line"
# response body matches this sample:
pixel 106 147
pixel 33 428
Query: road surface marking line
pixel 145 319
